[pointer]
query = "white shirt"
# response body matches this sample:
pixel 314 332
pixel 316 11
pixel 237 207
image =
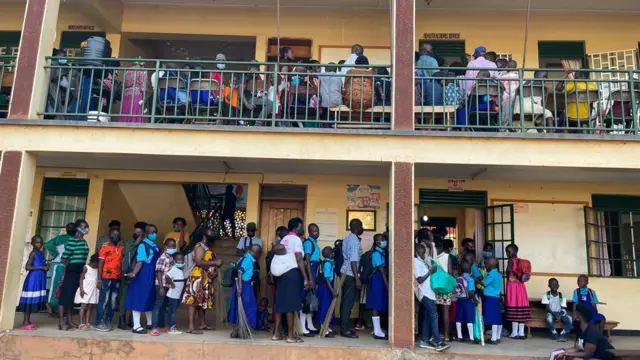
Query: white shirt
pixel 246 241
pixel 424 289
pixel 554 302
pixel 293 244
pixel 351 60
pixel 155 77
pixel 178 279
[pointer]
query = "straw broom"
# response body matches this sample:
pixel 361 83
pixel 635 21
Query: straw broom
pixel 327 319
pixel 480 321
pixel 221 318
pixel 243 329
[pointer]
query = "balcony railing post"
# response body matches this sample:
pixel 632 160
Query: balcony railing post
pixel 634 105
pixel 521 101
pixel 276 84
pixel 154 101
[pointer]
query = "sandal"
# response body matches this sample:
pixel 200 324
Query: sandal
pixel 206 327
pixel 294 341
pixel 28 327
pixel 154 332
pixel 277 338
pixel 194 332
pixel 359 327
pixel 82 327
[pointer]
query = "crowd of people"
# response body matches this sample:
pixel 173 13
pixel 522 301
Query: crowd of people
pixel 154 277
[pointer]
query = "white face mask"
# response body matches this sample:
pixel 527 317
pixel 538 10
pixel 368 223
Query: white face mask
pixel 383 244
pixel 221 66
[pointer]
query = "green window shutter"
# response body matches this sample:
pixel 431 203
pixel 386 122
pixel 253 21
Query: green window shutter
pixel 447 48
pixel 467 198
pixel 9 38
pixel 615 202
pixel 65 187
pixel 73 39
pixel 561 49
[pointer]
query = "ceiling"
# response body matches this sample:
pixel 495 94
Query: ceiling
pixel 239 165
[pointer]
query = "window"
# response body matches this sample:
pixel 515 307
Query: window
pixel 63 201
pixel 611 227
pixel 552 53
pixel 448 50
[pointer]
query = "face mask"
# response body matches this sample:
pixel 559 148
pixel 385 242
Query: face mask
pixel 487 254
pixel 62 61
pixel 221 66
pixel 84 230
pixel 152 237
pixel 115 239
pixel 295 81
pixel 135 235
pixel 383 244
pixel 179 266
pixel 171 251
pixel 176 228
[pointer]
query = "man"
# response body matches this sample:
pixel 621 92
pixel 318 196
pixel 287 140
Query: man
pixel 179 234
pixel 128 263
pixel 113 225
pixel 594 344
pixel 216 75
pixel 478 62
pixel 351 250
pixel 426 60
pixel 356 50
pixel 246 242
pixel 55 247
pixel 427 49
pixel 228 211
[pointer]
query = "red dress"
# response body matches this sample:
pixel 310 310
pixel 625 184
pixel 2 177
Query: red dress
pixel 517 300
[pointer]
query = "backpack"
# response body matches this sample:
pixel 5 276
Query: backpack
pixel 522 267
pixel 462 288
pixel 320 273
pixel 313 246
pixel 230 275
pixel 559 296
pixel 365 268
pixel 134 258
pixel 338 258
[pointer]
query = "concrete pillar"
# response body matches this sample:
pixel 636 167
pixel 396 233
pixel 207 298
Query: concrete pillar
pixel 37 41
pixel 402 60
pixel 94 207
pixel 17 171
pixel 401 258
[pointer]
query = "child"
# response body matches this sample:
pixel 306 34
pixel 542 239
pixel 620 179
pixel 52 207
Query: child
pixel 466 307
pixel 87 294
pixel 491 305
pixel 326 292
pixel 263 315
pixel 175 281
pixel 378 288
pixel 312 261
pixel 383 87
pixel 110 270
pixel 231 98
pixel 517 300
pixel 444 260
pixel 556 306
pixel 584 295
pixel 426 297
pixel 34 289
pixel 243 290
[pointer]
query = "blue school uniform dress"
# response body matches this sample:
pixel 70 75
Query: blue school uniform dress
pixel 465 308
pixel 491 304
pixel 248 298
pixel 377 293
pixel 310 246
pixel 141 295
pixel 34 289
pixel 324 292
pixel 588 297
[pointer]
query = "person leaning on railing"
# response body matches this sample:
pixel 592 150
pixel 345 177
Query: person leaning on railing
pixel 577 111
pixel 358 86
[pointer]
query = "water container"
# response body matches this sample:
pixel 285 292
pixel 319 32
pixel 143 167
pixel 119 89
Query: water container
pixel 97 47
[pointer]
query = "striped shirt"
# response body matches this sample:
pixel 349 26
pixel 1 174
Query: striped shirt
pixel 76 251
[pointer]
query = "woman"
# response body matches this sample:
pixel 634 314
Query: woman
pixel 135 90
pixel 76 251
pixel 141 295
pixel 289 285
pixel 198 294
pixel 357 93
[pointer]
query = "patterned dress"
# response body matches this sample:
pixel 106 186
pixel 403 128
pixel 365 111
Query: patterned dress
pixel 200 285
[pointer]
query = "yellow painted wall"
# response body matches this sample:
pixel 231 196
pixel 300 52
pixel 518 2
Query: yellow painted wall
pixel 115 207
pixel 11 17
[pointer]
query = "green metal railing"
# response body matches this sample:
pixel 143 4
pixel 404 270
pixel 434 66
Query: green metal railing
pixel 527 100
pixel 7 65
pixel 201 92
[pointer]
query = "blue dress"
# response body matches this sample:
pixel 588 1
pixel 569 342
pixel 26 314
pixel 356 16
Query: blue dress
pixel 325 296
pixel 247 297
pixel 377 292
pixel 142 292
pixel 589 298
pixel 34 289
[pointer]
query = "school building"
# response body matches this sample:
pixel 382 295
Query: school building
pixel 569 201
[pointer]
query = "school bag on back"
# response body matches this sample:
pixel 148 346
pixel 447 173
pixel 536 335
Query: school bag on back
pixel 365 269
pixel 338 259
pixel 523 268
pixel 462 288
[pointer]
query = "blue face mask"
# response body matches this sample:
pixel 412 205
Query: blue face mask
pixel 487 254
pixel 179 266
pixel 152 237
pixel 295 81
pixel 171 251
pixel 62 61
pixel 84 230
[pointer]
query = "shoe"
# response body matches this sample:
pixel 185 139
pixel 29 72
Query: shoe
pixel 309 334
pixel 349 334
pixel 330 335
pixel 122 323
pixel 103 327
pixel 521 337
pixel 427 345
pixel 476 341
pixel 555 336
pixel 462 340
pixel 139 330
pixel 360 327
pixel 174 331
pixel 380 337
pixel 561 338
pixel 149 327
pixel 442 346
pixel 493 342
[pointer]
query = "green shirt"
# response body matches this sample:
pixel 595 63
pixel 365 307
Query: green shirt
pixel 76 251
pixel 55 246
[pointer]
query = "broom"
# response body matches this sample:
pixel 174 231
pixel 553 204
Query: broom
pixel 327 319
pixel 479 320
pixel 221 318
pixel 243 330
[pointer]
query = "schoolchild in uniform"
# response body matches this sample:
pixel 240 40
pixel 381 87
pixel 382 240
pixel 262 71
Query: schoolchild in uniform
pixel 312 261
pixel 491 303
pixel 378 289
pixel 326 292
pixel 466 307
pixel 242 288
pixel 585 295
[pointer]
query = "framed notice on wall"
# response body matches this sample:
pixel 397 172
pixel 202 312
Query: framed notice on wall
pixel 368 218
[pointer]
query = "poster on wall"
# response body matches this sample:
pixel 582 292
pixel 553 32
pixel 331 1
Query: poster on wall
pixel 363 196
pixel 238 190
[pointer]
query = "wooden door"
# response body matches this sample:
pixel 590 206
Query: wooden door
pixel 274 214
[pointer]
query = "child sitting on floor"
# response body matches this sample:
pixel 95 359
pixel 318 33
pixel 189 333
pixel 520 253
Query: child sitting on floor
pixel 556 306
pixel 263 315
pixel 584 295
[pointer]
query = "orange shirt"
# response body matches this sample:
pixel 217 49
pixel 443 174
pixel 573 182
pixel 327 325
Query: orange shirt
pixel 234 96
pixel 112 256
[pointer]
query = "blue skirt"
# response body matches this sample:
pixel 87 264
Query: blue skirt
pixel 324 302
pixel 377 293
pixel 34 292
pixel 142 293
pixel 465 311
pixel 491 310
pixel 248 302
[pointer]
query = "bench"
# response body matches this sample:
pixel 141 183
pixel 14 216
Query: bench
pixel 538 321
pixel 418 109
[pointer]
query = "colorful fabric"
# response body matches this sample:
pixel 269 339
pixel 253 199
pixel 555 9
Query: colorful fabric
pixel 56 275
pixel 34 289
pixel 163 265
pixel 358 92
pixel 246 263
pixel 112 256
pixel 452 95
pixel 199 290
pixel 145 255
pixel 176 236
pixel 76 251
pixel 444 299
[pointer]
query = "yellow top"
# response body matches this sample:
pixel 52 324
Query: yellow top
pixel 176 235
pixel 579 110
